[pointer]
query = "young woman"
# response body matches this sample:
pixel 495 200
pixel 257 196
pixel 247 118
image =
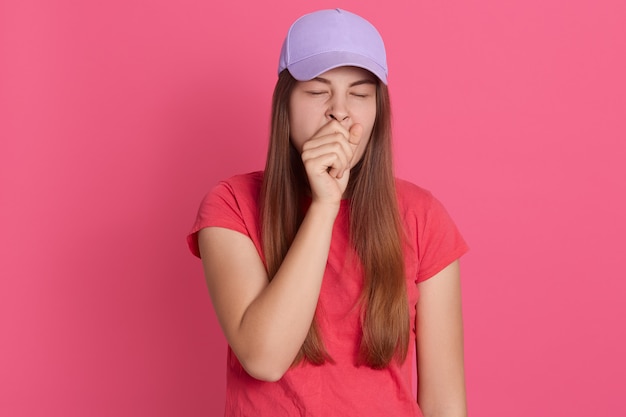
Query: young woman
pixel 315 265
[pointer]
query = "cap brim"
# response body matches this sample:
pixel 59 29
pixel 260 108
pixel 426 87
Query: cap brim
pixel 311 67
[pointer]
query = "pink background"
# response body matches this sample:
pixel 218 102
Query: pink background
pixel 116 117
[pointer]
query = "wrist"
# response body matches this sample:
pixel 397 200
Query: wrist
pixel 324 209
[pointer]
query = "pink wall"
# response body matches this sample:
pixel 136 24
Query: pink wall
pixel 116 117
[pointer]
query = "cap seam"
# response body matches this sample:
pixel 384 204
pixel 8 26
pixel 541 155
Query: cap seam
pixel 335 50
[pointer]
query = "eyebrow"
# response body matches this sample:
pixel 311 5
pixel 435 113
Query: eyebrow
pixel 358 82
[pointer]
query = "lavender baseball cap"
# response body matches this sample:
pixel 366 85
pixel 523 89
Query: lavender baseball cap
pixel 327 39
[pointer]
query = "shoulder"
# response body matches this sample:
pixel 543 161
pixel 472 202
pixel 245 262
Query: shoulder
pixel 232 204
pixel 412 196
pixel 430 229
pixel 238 187
pixel 250 181
pixel 249 178
pixel 419 204
pixel 236 196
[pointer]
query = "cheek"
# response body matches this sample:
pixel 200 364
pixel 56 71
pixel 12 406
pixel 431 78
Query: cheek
pixel 297 134
pixel 366 116
pixel 368 125
pixel 302 126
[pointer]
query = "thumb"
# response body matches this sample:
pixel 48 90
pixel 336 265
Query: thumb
pixel 356 131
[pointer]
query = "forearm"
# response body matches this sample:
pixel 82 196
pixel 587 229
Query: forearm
pixel 444 395
pixel 439 337
pixel 276 323
pixel 452 409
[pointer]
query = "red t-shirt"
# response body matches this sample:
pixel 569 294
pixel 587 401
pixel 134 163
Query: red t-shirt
pixel 342 387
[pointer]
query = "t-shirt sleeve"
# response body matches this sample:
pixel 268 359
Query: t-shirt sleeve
pixel 439 240
pixel 219 208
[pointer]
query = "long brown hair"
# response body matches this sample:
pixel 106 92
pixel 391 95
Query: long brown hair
pixel 375 229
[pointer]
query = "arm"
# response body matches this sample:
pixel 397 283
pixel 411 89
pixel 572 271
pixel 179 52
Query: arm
pixel 266 322
pixel 439 327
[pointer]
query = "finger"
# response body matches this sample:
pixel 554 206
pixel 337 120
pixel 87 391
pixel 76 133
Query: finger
pixel 330 157
pixel 356 134
pixel 356 131
pixel 332 142
pixel 328 143
pixel 333 126
pixel 326 140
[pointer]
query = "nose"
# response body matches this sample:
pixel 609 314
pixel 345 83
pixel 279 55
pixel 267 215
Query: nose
pixel 337 110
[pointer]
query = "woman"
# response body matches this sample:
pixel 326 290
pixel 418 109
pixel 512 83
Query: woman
pixel 315 265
